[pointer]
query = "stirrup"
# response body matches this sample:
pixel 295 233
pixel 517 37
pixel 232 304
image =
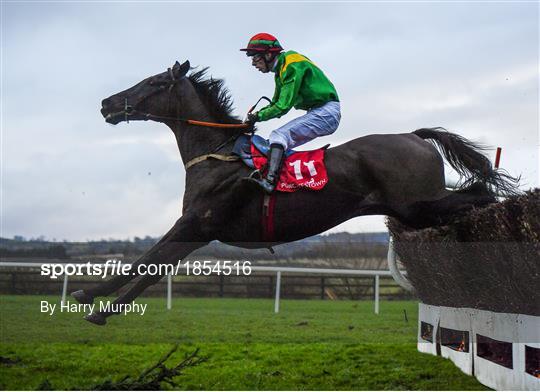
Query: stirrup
pixel 255 175
pixel 262 185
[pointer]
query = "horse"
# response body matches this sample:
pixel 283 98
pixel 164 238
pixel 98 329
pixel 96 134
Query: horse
pixel 397 175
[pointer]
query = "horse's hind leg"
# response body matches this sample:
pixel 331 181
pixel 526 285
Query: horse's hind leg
pixel 169 249
pixel 436 212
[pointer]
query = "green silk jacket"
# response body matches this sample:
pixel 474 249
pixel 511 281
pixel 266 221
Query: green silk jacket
pixel 299 84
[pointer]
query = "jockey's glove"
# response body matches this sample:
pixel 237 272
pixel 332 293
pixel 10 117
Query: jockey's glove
pixel 252 118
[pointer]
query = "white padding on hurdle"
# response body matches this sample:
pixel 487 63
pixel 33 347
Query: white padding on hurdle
pixel 501 327
pixel 517 329
pixel 428 314
pixel 528 335
pixel 458 319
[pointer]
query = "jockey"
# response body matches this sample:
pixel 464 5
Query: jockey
pixel 299 84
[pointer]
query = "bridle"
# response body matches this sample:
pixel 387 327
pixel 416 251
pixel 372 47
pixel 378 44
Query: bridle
pixel 131 110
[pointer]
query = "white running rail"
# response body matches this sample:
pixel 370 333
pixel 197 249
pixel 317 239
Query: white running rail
pixel 278 270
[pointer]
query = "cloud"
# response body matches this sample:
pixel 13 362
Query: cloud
pixel 66 174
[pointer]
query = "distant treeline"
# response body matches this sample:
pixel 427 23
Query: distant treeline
pixel 319 247
pixel 336 245
pixel 20 247
pixel 51 252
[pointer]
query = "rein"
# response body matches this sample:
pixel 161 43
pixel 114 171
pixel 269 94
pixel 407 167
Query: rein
pixel 196 122
pixel 130 110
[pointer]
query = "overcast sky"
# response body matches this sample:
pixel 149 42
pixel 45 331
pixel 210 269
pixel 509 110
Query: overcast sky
pixel 66 174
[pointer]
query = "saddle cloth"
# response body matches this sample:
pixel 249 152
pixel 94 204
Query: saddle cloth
pixel 300 170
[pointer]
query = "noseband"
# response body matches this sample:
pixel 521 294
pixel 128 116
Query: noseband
pixel 130 110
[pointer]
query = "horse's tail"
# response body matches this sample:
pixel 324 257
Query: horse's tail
pixel 472 166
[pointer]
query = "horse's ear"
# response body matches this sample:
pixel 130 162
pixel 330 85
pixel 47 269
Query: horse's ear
pixel 180 70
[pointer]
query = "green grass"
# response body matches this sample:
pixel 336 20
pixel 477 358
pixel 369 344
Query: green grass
pixel 308 345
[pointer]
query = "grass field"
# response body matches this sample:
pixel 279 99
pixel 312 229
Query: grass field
pixel 309 345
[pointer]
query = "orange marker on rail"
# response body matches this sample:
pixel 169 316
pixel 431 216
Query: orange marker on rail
pixel 498 157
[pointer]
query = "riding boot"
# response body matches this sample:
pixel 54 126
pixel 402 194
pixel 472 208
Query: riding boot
pixel 268 184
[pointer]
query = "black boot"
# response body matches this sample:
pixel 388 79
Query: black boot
pixel 268 184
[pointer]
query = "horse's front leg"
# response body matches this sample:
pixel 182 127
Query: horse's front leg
pixel 183 238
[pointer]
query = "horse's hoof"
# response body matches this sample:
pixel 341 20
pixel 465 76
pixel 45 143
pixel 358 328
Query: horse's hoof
pixel 82 297
pixel 96 318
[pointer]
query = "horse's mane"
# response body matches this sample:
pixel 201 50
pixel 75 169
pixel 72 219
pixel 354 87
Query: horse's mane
pixel 215 95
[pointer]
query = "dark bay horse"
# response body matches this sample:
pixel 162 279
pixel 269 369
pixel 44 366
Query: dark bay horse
pixel 398 175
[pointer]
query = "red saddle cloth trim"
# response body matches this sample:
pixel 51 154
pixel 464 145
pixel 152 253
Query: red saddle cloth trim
pixel 269 204
pixel 300 170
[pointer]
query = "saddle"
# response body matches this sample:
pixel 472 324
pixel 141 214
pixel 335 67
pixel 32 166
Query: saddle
pixel 242 148
pixel 300 169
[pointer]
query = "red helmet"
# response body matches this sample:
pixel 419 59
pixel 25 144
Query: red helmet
pixel 262 43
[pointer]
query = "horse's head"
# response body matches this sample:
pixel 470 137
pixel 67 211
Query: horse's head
pixel 148 99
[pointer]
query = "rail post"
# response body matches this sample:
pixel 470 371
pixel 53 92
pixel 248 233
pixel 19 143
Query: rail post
pixel 169 291
pixel 64 289
pixel 278 289
pixel 221 285
pixel 376 294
